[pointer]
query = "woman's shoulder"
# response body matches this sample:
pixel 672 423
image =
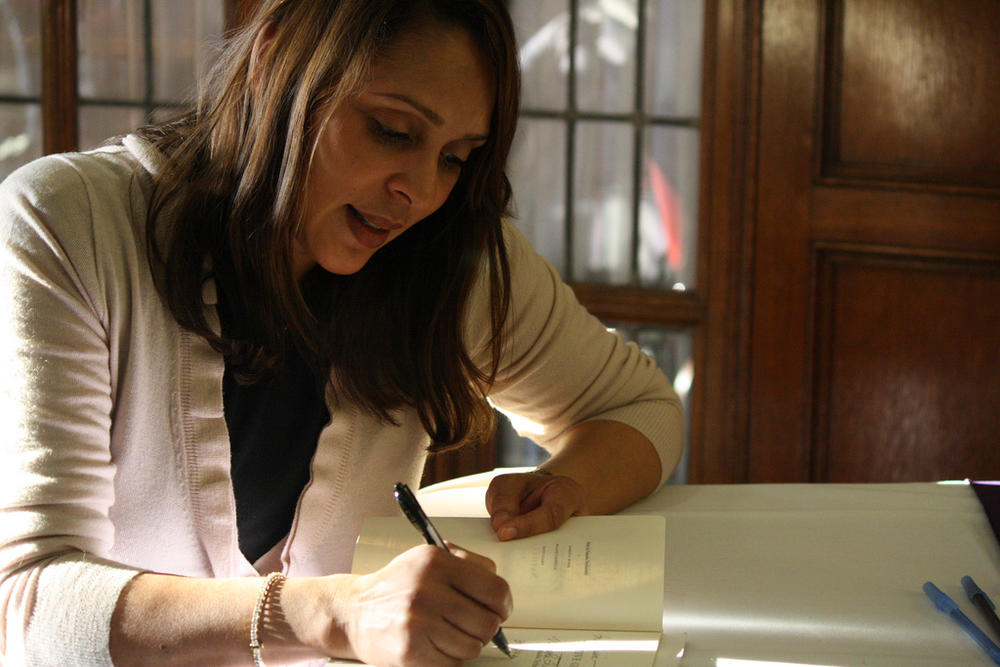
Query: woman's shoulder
pixel 105 186
pixel 101 172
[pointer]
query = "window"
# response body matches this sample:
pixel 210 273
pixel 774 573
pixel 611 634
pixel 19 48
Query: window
pixel 75 72
pixel 20 83
pixel 138 60
pixel 605 168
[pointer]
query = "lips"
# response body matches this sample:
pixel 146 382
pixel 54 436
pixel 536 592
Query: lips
pixel 370 230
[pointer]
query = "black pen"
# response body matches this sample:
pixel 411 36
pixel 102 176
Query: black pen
pixel 981 600
pixel 411 508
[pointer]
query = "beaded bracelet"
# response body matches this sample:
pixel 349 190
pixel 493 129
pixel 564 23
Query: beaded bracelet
pixel 272 583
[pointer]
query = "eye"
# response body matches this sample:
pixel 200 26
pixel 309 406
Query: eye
pixel 452 161
pixel 388 135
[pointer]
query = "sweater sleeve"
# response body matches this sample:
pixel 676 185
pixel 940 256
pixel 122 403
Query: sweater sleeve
pixel 57 594
pixel 561 366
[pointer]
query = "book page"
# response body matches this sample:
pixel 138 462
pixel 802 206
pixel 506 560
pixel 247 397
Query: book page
pixel 534 647
pixel 457 501
pixel 593 573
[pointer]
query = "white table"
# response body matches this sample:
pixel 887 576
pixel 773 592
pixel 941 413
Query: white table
pixel 812 574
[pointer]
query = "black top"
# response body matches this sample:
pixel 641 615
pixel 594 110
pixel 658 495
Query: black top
pixel 274 425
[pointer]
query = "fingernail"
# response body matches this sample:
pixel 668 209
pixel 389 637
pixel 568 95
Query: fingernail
pixel 507 533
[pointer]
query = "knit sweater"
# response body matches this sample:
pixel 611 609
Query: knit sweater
pixel 114 453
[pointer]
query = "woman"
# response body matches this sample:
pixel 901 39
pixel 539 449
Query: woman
pixel 232 333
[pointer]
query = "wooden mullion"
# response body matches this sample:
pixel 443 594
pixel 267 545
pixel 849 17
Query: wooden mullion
pixel 239 12
pixel 59 73
pixel 231 9
pixel 612 303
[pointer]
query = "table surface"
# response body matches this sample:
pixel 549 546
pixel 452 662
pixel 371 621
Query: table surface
pixel 810 574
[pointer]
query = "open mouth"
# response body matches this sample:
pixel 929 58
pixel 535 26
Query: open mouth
pixel 365 220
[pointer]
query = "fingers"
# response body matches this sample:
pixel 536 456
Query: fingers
pixel 522 505
pixel 505 495
pixel 473 608
pixel 428 607
pixel 471 556
pixel 541 520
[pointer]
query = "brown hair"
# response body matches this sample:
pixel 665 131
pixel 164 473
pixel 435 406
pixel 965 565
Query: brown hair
pixel 232 193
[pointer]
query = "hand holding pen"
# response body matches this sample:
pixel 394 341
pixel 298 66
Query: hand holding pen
pixel 411 508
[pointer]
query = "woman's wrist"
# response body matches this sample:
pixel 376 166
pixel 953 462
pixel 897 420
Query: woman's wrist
pixel 315 621
pixel 267 614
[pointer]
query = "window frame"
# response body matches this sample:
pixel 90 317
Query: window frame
pixel 631 302
pixel 60 99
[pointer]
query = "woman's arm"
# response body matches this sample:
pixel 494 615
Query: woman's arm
pixel 607 414
pixel 427 607
pixel 598 467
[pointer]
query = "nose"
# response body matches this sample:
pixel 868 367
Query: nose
pixel 417 184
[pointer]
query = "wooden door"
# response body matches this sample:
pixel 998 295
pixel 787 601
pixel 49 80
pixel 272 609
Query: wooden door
pixel 873 315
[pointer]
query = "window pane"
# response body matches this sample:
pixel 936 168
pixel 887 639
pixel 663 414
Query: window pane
pixel 673 351
pixel 673 57
pixel 515 450
pixel 110 41
pixel 182 45
pixel 605 58
pixel 542 28
pixel 602 224
pixel 20 136
pixel 668 214
pixel 537 171
pixel 98 123
pixel 164 114
pixel 20 48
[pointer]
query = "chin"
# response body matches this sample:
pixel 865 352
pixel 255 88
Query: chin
pixel 343 267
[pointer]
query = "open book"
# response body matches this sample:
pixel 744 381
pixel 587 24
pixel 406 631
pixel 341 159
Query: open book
pixel 587 595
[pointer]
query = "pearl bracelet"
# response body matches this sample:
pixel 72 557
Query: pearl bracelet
pixel 271 584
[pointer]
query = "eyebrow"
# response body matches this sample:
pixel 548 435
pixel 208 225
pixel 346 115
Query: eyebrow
pixel 428 113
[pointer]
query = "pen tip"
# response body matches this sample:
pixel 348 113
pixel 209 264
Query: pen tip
pixel 501 643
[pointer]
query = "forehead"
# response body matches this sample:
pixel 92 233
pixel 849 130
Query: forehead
pixel 442 67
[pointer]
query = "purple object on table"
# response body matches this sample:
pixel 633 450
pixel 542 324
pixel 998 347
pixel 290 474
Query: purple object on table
pixel 989 495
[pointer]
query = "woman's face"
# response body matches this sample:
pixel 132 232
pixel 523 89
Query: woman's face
pixel 390 156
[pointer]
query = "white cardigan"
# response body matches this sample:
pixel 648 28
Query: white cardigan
pixel 114 454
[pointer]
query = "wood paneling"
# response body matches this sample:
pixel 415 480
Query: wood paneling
pixel 866 340
pixel 911 91
pixel 719 411
pixel 779 311
pixel 908 365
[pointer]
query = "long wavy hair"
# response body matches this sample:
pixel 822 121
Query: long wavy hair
pixel 390 335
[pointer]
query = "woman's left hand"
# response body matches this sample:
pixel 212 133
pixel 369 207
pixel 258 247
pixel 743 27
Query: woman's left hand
pixel 525 504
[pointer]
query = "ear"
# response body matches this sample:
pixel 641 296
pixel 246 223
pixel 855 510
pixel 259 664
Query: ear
pixel 260 46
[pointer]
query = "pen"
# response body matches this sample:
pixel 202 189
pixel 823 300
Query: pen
pixel 411 508
pixel 948 606
pixel 981 600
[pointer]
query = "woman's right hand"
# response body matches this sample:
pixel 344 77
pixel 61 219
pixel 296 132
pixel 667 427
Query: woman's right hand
pixel 427 607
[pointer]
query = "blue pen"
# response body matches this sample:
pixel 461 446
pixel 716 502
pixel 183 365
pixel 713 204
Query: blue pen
pixel 983 602
pixel 948 606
